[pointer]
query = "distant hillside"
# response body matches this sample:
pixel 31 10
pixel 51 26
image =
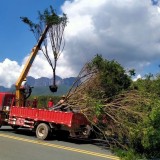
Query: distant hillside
pixel 62 89
pixel 3 89
pixel 44 81
pixel 41 85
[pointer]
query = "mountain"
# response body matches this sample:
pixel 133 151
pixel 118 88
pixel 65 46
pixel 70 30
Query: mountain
pixel 44 90
pixel 41 85
pixel 43 81
pixel 68 81
pixel 3 89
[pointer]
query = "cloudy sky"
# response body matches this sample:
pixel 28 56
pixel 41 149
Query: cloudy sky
pixel 127 31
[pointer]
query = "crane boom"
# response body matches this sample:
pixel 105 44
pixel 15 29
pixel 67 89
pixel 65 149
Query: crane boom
pixel 19 94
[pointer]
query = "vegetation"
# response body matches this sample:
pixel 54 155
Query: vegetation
pixel 124 113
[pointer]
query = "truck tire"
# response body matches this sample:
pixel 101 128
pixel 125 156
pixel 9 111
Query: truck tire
pixel 43 131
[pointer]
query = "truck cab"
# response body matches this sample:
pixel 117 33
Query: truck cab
pixel 6 100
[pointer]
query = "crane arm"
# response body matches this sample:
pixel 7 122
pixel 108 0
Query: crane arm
pixel 28 65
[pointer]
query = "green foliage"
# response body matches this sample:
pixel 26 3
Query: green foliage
pixel 145 136
pixel 98 108
pixel 113 78
pixel 150 84
pixel 129 154
pixel 43 100
pixel 151 133
pixel 48 17
pixel 141 119
pixel 128 117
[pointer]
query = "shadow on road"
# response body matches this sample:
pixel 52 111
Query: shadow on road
pixel 20 131
pixel 28 133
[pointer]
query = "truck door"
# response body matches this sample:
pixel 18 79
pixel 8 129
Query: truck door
pixel 6 100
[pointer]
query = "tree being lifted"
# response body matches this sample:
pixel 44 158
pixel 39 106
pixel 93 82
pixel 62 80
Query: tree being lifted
pixel 123 112
pixel 54 37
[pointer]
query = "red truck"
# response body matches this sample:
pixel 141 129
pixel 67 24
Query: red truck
pixel 44 122
pixel 15 112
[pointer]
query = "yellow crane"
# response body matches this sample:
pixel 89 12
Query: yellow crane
pixel 20 97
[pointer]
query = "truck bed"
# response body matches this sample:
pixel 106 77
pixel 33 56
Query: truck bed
pixel 58 117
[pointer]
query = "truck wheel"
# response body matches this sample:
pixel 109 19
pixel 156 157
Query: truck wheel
pixel 42 131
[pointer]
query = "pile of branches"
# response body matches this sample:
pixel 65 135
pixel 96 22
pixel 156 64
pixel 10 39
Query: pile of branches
pixel 113 117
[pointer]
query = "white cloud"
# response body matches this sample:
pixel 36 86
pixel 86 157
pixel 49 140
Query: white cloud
pixel 9 71
pixel 41 68
pixel 137 77
pixel 127 31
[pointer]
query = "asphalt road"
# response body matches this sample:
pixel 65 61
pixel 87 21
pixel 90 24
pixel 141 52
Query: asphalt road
pixel 23 145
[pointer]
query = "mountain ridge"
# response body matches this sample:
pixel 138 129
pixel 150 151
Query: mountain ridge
pixel 41 85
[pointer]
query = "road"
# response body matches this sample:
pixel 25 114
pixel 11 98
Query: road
pixel 22 144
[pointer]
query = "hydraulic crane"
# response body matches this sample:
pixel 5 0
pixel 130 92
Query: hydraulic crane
pixel 20 96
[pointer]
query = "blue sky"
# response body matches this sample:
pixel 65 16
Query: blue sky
pixel 154 2
pixel 127 31
pixel 16 40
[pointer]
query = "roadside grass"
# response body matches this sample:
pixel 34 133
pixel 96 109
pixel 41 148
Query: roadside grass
pixel 129 155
